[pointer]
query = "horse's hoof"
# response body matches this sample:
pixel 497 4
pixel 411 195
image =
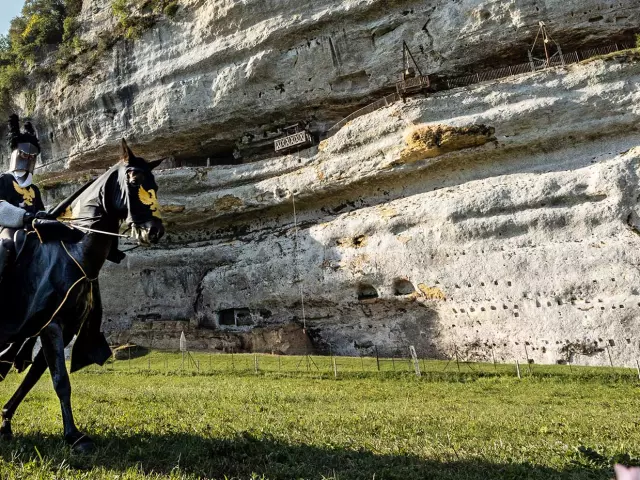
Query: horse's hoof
pixel 6 434
pixel 80 443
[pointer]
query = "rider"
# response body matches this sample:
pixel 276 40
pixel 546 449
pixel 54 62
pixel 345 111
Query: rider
pixel 20 200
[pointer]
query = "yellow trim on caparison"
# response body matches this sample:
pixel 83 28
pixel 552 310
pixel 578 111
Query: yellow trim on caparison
pixel 84 276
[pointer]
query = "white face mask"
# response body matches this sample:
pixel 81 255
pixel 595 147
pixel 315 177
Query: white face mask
pixel 23 177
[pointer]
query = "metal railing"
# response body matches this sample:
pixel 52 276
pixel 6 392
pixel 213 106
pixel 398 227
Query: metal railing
pixel 372 107
pixel 419 82
pixel 489 75
pixel 297 139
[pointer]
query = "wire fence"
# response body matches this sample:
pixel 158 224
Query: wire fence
pixel 372 107
pixel 331 366
pixel 490 75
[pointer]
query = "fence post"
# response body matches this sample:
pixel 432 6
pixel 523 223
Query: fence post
pixel 335 368
pixel 638 368
pixel 377 357
pixel 493 355
pixel 416 363
pixel 526 352
pixel 610 359
pixel 518 369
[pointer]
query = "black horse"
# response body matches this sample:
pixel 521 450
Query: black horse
pixel 52 292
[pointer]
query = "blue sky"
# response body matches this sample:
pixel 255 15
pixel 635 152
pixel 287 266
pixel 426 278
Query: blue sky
pixel 8 10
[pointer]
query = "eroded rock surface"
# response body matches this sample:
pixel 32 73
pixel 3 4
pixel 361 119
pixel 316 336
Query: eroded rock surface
pixel 484 220
pixel 227 74
pixel 529 239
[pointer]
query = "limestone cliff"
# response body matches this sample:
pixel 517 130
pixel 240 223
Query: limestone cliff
pixel 525 236
pixel 225 73
pixel 480 219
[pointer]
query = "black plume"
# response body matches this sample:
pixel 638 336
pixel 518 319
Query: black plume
pixel 28 128
pixel 16 137
pixel 14 131
pixel 29 135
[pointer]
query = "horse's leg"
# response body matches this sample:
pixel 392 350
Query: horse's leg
pixel 36 370
pixel 53 348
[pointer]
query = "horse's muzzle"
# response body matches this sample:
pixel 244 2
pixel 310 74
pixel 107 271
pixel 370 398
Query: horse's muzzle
pixel 147 233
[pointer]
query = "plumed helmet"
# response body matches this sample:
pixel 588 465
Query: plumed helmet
pixel 24 145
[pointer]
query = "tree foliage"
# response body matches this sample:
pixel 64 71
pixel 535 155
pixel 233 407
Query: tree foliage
pixel 40 25
pixel 48 26
pixel 38 30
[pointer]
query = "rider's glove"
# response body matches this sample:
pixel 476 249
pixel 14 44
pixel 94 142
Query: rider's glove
pixel 28 219
pixel 43 215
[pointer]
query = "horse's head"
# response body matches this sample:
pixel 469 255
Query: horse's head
pixel 140 192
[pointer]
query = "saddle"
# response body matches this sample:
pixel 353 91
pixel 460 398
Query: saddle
pixel 49 230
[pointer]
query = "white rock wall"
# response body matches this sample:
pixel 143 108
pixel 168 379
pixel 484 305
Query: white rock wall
pixel 225 72
pixel 528 240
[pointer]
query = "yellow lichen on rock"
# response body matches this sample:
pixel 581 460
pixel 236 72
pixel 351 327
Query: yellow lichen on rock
pixel 428 141
pixel 431 293
pixel 172 208
pixel 227 203
pixel 386 211
pixel 358 263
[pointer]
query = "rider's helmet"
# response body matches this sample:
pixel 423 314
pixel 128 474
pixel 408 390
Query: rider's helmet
pixel 25 148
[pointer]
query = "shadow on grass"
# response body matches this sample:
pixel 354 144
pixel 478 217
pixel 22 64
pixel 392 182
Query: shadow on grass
pixel 245 455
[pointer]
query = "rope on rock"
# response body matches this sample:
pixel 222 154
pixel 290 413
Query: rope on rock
pixel 295 259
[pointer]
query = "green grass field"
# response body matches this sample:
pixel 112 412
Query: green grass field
pixel 152 418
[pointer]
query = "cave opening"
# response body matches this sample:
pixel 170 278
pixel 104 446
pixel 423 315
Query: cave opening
pixel 209 157
pixel 367 292
pixel 402 286
pixel 235 317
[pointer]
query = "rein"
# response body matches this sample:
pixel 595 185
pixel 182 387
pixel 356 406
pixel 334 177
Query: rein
pixel 69 221
pixel 93 230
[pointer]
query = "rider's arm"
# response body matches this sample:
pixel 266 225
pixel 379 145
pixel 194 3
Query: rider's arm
pixel 38 203
pixel 10 216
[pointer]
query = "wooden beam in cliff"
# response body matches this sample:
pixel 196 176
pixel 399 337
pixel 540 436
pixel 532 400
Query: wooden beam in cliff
pixel 410 82
pixel 551 58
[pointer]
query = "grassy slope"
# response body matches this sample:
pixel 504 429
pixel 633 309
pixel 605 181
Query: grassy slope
pixel 307 425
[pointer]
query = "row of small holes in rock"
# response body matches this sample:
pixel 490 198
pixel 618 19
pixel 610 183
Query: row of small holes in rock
pixel 538 305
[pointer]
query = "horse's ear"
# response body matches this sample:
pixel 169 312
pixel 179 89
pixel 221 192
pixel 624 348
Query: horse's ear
pixel 154 164
pixel 127 154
